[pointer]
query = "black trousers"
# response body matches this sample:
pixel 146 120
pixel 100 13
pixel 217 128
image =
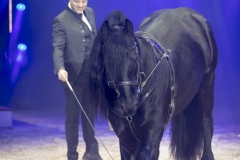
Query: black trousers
pixel 73 110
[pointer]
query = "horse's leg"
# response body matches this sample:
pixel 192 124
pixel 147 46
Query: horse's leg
pixel 206 97
pixel 125 155
pixel 150 141
pixel 127 142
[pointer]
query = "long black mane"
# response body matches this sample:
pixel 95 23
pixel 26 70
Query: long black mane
pixel 107 58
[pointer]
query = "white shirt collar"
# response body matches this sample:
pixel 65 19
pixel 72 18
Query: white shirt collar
pixel 83 17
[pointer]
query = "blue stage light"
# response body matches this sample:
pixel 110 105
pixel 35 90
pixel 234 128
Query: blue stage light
pixel 20 7
pixel 22 47
pixel 19 58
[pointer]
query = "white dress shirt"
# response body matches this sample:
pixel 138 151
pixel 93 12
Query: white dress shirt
pixel 84 19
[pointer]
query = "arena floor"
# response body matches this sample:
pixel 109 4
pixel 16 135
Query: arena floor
pixel 39 135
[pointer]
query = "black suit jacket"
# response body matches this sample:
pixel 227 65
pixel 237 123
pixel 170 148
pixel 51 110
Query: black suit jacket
pixel 69 48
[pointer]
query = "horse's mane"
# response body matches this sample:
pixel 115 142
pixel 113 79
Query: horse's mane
pixel 117 37
pixel 106 57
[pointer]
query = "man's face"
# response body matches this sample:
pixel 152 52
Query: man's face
pixel 78 5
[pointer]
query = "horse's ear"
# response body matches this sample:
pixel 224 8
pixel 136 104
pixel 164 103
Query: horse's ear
pixel 129 26
pixel 104 30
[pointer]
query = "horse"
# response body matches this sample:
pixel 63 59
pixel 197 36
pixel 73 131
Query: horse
pixel 163 74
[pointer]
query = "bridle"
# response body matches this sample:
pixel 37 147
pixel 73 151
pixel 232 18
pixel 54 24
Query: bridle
pixel 138 80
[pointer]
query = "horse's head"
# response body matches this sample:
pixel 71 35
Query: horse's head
pixel 120 57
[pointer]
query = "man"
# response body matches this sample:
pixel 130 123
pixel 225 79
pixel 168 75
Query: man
pixel 74 30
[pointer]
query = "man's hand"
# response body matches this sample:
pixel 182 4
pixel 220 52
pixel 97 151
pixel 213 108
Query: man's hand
pixel 62 75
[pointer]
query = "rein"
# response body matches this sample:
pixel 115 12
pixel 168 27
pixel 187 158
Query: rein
pixel 129 119
pixel 144 82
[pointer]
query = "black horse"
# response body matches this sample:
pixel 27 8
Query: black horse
pixel 164 72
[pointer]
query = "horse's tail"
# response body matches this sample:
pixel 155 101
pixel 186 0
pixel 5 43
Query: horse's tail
pixel 186 130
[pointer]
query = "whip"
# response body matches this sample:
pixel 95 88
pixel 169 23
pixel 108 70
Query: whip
pixel 70 87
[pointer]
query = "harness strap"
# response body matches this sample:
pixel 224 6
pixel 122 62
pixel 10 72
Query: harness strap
pixel 171 108
pixel 144 82
pixel 163 51
pixel 146 95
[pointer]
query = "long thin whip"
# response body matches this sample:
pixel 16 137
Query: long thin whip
pixel 70 87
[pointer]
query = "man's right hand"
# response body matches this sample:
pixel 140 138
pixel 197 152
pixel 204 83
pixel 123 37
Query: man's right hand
pixel 62 75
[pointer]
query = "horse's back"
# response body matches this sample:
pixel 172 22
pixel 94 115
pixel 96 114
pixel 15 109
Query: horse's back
pixel 180 27
pixel 168 17
pixel 179 30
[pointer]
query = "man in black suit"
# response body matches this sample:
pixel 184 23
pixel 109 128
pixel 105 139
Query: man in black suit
pixel 74 30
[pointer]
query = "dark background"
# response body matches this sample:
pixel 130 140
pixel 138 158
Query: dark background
pixel 38 87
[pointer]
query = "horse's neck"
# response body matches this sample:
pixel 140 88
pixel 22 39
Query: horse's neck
pixel 146 55
pixel 151 66
pixel 144 46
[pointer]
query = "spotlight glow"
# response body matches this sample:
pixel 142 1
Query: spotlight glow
pixel 20 7
pixel 22 47
pixel 19 58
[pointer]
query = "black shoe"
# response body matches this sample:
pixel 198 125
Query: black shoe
pixel 88 156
